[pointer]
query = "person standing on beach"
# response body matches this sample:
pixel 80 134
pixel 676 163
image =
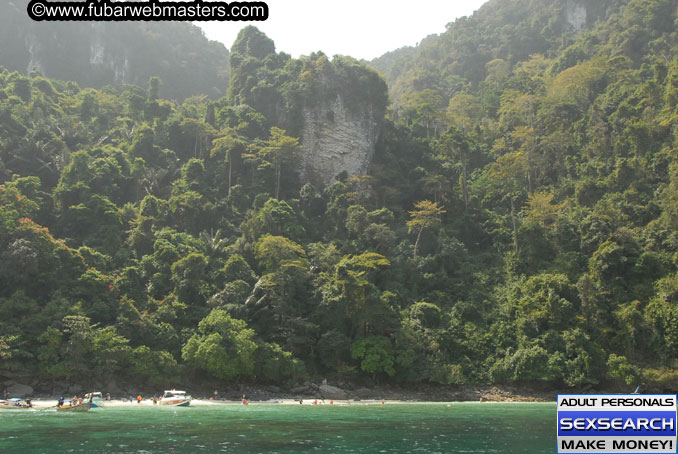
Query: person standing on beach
pixel 139 399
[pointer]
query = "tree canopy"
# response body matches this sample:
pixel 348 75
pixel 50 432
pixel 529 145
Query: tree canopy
pixel 517 223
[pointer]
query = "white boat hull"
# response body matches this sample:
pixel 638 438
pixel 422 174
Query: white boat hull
pixel 175 402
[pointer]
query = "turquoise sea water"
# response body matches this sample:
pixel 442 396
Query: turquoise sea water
pixel 274 428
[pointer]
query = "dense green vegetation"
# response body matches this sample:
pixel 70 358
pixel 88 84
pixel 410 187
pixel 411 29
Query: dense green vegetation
pixel 518 223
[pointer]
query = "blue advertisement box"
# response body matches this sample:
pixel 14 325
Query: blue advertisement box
pixel 617 423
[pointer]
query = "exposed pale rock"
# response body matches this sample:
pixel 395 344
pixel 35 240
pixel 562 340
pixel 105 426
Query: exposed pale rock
pixel 337 139
pixel 332 392
pixel 575 13
pixel 363 393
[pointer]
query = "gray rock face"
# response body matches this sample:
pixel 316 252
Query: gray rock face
pixel 575 13
pixel 364 393
pixel 332 392
pixel 337 139
pixel 96 54
pixel 20 390
pixel 299 389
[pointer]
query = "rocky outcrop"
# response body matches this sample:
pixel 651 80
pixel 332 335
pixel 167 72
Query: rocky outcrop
pixel 300 389
pixel 342 115
pixel 363 393
pixel 575 14
pixel 335 107
pixel 96 54
pixel 332 392
pixel 337 139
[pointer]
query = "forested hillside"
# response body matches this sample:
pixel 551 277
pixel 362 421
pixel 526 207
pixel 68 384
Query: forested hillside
pixel 517 223
pixel 96 54
pixel 509 31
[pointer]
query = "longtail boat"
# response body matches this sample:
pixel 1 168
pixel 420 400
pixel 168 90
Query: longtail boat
pixel 79 408
pixel 16 404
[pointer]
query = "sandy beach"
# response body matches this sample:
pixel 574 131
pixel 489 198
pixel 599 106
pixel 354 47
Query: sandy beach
pixel 203 403
pixel 44 404
pixel 310 392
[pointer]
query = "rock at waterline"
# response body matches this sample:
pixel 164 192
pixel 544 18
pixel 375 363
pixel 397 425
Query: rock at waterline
pixel 332 392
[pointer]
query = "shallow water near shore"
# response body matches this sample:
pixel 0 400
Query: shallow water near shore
pixel 274 428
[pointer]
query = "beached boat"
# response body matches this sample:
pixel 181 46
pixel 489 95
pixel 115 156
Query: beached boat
pixel 76 408
pixel 15 404
pixel 96 398
pixel 175 398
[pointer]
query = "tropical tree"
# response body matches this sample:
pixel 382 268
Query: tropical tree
pixel 375 354
pixel 425 215
pixel 454 146
pixel 223 347
pixel 279 149
pixel 231 146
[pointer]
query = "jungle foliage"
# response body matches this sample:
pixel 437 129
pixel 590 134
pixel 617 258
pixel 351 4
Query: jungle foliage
pixel 518 223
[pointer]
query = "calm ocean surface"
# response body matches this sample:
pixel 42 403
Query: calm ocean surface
pixel 275 428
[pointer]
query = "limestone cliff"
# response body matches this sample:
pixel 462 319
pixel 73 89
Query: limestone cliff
pixel 335 107
pixel 96 54
pixel 336 139
pixel 575 14
pixel 341 117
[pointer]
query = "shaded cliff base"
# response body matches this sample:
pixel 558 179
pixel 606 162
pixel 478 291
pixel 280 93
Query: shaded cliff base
pixel 309 391
pixel 320 390
pixel 420 393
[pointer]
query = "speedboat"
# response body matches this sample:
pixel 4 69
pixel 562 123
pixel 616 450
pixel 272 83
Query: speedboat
pixel 174 398
pixel 96 398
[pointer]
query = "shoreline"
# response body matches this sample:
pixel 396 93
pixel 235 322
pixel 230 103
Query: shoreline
pixel 310 392
pixel 40 404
